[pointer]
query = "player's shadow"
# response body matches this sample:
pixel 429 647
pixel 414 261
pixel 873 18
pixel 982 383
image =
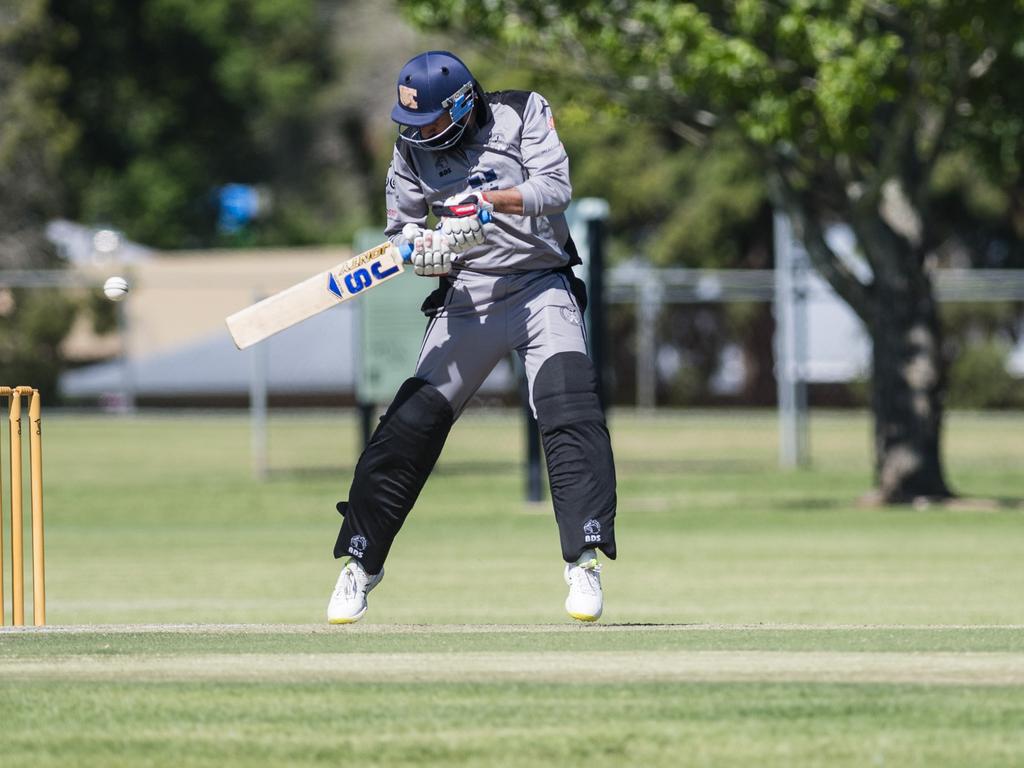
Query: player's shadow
pixel 807 504
pixel 966 503
pixel 500 467
pixel 670 466
pixel 483 467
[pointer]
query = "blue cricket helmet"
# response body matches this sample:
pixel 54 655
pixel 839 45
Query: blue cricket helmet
pixel 429 85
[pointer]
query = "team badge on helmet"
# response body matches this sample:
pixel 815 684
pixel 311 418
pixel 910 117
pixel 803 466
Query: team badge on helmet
pixel 407 96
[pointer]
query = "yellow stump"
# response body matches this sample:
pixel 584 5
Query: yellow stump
pixel 36 460
pixel 14 394
pixel 4 392
pixel 17 514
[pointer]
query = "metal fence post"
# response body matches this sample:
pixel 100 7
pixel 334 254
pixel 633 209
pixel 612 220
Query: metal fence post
pixel 790 344
pixel 649 296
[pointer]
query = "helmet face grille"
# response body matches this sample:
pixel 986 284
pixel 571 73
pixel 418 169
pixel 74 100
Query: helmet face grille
pixel 446 139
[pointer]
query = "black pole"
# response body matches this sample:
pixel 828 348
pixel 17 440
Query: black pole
pixel 366 411
pixel 595 304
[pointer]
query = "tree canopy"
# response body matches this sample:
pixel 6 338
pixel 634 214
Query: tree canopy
pixel 172 98
pixel 828 91
pixel 850 107
pixel 35 135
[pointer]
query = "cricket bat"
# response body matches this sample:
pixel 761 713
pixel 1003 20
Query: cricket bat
pixel 345 281
pixel 311 297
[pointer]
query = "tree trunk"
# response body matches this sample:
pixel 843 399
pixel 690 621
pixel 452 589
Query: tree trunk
pixel 908 383
pixel 897 304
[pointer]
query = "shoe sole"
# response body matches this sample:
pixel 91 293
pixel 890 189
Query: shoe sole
pixel 585 617
pixel 348 619
pixel 358 616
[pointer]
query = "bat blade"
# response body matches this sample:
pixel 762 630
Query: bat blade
pixel 310 297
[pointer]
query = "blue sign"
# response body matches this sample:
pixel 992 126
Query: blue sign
pixel 238 204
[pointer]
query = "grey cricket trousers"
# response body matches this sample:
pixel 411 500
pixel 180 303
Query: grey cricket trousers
pixel 483 318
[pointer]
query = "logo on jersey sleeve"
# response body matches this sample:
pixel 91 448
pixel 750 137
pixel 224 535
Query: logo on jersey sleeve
pixel 391 194
pixel 484 176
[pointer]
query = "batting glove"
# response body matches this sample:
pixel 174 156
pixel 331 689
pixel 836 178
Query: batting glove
pixel 462 224
pixel 431 253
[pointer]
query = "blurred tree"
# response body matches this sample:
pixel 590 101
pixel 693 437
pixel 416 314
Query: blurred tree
pixel 132 113
pixel 173 98
pixel 979 338
pixel 979 378
pixel 849 106
pixel 369 43
pixel 35 137
pixel 33 324
pixel 673 202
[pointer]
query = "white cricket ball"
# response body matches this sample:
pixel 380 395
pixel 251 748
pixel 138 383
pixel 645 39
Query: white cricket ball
pixel 116 288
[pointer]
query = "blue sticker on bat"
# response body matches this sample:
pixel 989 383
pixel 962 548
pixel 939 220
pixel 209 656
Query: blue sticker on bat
pixel 360 279
pixel 381 274
pixel 332 285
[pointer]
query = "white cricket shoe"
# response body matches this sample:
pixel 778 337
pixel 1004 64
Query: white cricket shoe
pixel 584 579
pixel 348 603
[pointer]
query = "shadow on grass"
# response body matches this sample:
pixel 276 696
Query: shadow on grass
pixel 645 624
pixel 483 467
pixel 958 503
pixel 692 466
pixel 810 504
pixel 973 504
pixel 492 468
pixel 309 473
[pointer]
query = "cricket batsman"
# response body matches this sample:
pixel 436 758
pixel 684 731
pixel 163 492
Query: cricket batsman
pixel 505 284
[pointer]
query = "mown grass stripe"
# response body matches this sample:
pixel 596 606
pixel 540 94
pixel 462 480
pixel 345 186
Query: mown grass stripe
pixel 546 666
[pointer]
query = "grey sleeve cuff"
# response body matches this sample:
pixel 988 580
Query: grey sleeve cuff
pixel 531 199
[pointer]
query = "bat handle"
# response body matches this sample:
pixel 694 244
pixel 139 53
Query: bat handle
pixel 485 217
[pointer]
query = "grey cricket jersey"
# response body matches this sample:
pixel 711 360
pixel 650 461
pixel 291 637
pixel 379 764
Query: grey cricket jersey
pixel 515 145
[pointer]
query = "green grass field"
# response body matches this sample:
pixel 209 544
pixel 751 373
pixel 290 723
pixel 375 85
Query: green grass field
pixel 755 617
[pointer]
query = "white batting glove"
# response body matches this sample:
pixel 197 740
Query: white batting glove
pixel 464 232
pixel 431 253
